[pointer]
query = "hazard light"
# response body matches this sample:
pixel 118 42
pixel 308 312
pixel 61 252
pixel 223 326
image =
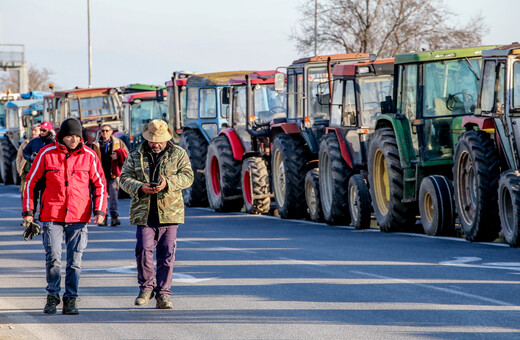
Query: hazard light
pixel 252 118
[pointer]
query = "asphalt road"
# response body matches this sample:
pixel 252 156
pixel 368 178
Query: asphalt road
pixel 239 276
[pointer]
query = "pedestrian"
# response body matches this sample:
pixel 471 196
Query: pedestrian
pixel 22 166
pixel 69 170
pixel 113 153
pixel 154 174
pixel 36 144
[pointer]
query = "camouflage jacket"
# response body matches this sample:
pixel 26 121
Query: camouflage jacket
pixel 174 166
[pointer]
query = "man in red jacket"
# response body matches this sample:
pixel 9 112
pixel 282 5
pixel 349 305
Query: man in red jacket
pixel 65 169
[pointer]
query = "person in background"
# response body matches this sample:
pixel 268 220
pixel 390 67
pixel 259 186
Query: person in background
pixel 155 174
pixel 36 144
pixel 22 166
pixel 113 153
pixel 74 186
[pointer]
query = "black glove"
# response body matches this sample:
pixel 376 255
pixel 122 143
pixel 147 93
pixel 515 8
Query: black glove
pixel 31 229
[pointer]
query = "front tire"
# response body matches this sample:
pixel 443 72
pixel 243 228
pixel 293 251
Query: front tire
pixel 359 202
pixel 196 147
pixel 9 155
pixel 436 206
pixel 475 179
pixel 386 179
pixel 312 195
pixel 509 206
pixel 255 186
pixel 288 170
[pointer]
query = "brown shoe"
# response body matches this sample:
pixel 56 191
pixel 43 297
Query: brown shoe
pixel 115 222
pixel 143 297
pixel 163 302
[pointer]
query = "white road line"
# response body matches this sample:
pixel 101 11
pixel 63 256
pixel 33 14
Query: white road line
pixel 445 290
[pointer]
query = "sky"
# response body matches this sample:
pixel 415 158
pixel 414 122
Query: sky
pixel 136 41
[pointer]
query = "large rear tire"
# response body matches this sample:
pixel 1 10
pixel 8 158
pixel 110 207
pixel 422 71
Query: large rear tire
pixel 196 147
pixel 359 202
pixel 509 206
pixel 476 172
pixel 386 179
pixel 255 186
pixel 14 173
pixel 223 176
pixel 334 176
pixel 436 206
pixel 312 195
pixel 8 156
pixel 288 170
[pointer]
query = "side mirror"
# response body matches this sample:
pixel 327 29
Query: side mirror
pixel 225 95
pixel 279 82
pixel 159 95
pixel 386 106
pixel 323 95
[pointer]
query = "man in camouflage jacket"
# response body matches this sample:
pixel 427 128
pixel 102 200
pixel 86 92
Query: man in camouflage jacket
pixel 155 174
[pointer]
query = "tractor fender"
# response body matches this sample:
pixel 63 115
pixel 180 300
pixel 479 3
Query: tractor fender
pixel 311 165
pixel 236 143
pixel 483 123
pixel 401 127
pixel 288 128
pixel 345 152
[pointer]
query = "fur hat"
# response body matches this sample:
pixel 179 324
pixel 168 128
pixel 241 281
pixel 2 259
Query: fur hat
pixel 157 131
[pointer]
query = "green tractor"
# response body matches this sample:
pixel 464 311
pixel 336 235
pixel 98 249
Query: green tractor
pixel 486 160
pixel 410 158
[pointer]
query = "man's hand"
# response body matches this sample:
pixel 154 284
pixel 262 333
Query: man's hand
pixel 27 220
pixel 98 219
pixel 149 190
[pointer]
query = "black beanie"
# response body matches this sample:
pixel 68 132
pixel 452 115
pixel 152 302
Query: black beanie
pixel 69 127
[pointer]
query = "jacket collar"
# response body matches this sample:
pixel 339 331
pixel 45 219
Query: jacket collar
pixel 63 149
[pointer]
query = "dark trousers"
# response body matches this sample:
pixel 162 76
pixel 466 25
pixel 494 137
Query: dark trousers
pixel 163 240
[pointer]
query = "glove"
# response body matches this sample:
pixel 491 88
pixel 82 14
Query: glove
pixel 31 229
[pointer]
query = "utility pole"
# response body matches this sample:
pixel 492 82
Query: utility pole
pixel 89 48
pixel 315 27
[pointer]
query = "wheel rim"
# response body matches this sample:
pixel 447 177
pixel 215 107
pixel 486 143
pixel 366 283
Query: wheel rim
pixel 279 177
pixel 326 187
pixel 506 206
pixel 215 175
pixel 381 182
pixel 310 194
pixel 353 199
pixel 428 207
pixel 247 187
pixel 466 188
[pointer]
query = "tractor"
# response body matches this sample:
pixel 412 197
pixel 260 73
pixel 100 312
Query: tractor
pixel 486 168
pixel 410 157
pixel 295 146
pixel 358 91
pixel 200 111
pixel 238 158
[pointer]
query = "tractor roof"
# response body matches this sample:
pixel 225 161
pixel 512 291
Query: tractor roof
pixel 214 79
pixel 85 93
pixel 459 53
pixel 131 88
pixel 148 95
pixel 23 103
pixel 364 68
pixel 502 51
pixel 258 77
pixel 333 57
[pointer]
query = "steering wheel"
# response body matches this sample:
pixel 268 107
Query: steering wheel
pixel 279 108
pixel 453 99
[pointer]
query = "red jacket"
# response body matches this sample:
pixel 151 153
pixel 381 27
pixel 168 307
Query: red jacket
pixel 65 179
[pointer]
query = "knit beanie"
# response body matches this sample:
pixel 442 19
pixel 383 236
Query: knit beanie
pixel 69 127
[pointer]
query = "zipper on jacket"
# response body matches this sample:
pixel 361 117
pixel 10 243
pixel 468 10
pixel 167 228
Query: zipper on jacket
pixel 65 163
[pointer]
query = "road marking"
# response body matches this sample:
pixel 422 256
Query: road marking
pixel 464 262
pixel 445 290
pixel 294 261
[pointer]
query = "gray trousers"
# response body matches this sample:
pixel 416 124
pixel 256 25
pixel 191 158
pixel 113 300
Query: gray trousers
pixel 76 240
pixel 113 195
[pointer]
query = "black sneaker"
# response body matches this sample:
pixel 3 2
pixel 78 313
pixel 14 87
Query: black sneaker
pixel 163 302
pixel 143 297
pixel 69 306
pixel 52 302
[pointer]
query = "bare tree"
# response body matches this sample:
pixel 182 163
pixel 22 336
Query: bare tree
pixel 39 79
pixel 384 27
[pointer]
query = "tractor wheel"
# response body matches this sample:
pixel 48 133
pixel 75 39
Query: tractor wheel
pixel 196 147
pixel 9 155
pixel 475 180
pixel 386 181
pixel 14 173
pixel 334 175
pixel 436 206
pixel 359 202
pixel 222 176
pixel 288 170
pixel 509 206
pixel 255 186
pixel 312 195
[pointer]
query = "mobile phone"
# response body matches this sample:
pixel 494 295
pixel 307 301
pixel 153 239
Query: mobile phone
pixel 153 184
